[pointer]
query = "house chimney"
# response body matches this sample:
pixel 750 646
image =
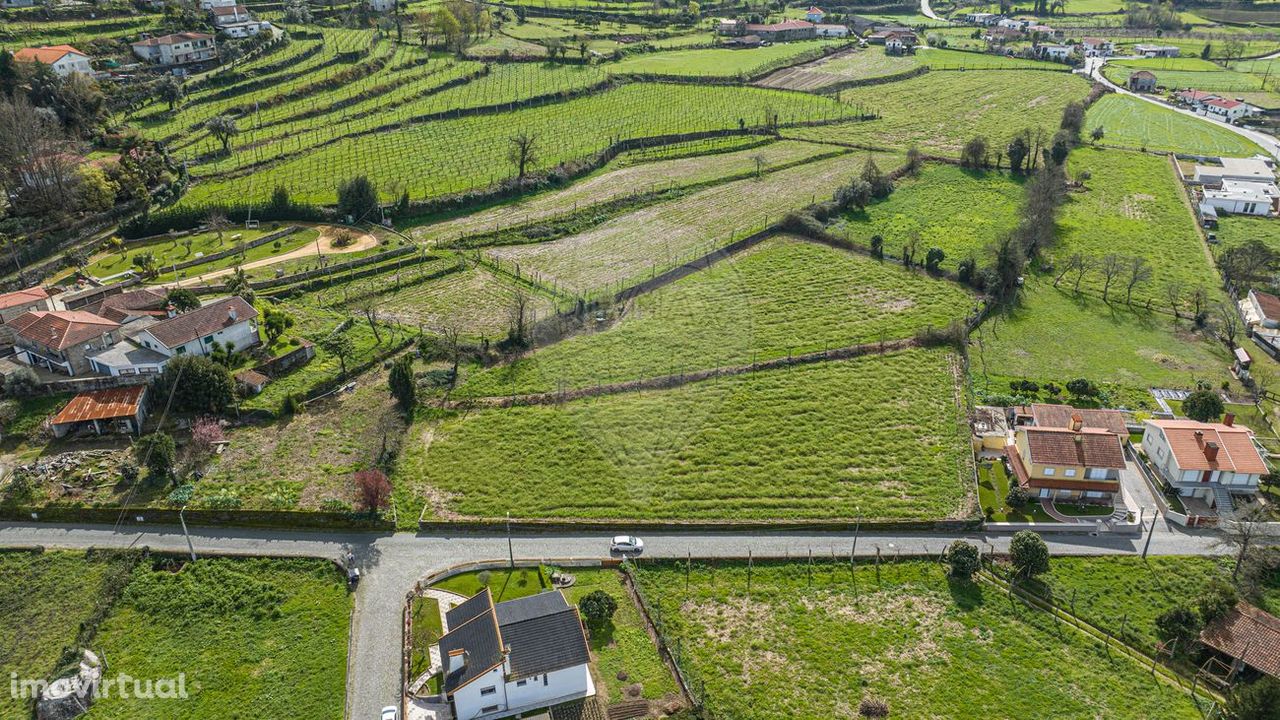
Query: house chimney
pixel 1077 422
pixel 1229 419
pixel 1211 451
pixel 171 310
pixel 231 313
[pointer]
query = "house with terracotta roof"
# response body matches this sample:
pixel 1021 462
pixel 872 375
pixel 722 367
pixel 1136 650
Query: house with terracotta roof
pixel 900 42
pixel 513 657
pixel 1207 461
pixel 128 306
pixel 1142 81
pixel 13 304
pixel 1064 416
pixel 1194 98
pixel 181 48
pixel 783 31
pixel 1261 311
pixel 1226 110
pixel 62 59
pixel 229 321
pixel 111 410
pixel 1074 463
pixel 814 14
pixel 1248 636
pixel 62 340
pixel 1097 47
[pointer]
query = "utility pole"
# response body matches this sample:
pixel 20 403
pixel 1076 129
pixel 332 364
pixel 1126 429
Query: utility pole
pixel 511 554
pixel 182 519
pixel 1150 533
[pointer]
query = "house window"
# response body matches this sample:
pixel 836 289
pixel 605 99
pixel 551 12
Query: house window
pixel 1048 472
pixel 521 683
pixel 490 708
pixel 1092 494
pixel 545 680
pixel 180 350
pixel 488 691
pixel 1069 472
pixel 208 340
pixel 1044 492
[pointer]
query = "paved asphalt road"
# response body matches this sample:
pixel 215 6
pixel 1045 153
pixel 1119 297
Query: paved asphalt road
pixel 393 563
pixel 1093 69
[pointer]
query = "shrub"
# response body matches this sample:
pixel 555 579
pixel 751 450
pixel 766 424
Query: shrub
pixel 1217 598
pixel 182 494
pixel 1257 700
pixel 873 708
pixel 334 505
pixel 198 385
pixel 156 451
pixel 1178 624
pixel 1202 406
pixel 403 386
pixel 1082 388
pixel 597 607
pixel 374 489
pixel 1017 497
pixel 22 382
pixel 963 559
pixel 1029 554
pixel 484 577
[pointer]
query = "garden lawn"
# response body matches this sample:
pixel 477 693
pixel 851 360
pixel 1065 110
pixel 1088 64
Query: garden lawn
pixel 1133 206
pixel 940 111
pixel 170 250
pixel 877 436
pixel 476 302
pixel 623 645
pixel 614 183
pixel 427 630
pixel 719 62
pixel 1235 230
pixel 810 644
pixel 502 584
pixel 993 488
pixel 783 296
pixel 261 635
pixel 1129 122
pixel 1053 336
pixel 44 597
pixel 635 246
pixel 960 211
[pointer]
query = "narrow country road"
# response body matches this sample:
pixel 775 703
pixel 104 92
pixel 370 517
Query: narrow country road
pixel 927 10
pixel 1093 69
pixel 392 563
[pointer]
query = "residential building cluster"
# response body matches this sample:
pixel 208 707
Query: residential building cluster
pixel 1236 186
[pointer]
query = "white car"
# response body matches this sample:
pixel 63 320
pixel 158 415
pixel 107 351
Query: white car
pixel 627 545
pixel 390 713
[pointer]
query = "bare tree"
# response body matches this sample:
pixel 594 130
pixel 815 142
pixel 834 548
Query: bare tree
pixel 369 309
pixel 1199 296
pixel 1087 263
pixel 37 165
pixel 452 341
pixel 522 151
pixel 1072 263
pixel 519 313
pixel 1241 533
pixel 1112 266
pixel 217 222
pixel 760 163
pixel 1139 273
pixel 1228 323
pixel 1173 293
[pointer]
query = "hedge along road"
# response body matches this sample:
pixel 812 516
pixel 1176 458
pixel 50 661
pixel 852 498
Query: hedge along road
pixel 1093 70
pixel 392 563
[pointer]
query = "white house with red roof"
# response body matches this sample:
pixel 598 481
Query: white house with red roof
pixel 1097 47
pixel 1226 110
pixel 814 14
pixel 181 48
pixel 62 59
pixel 1207 461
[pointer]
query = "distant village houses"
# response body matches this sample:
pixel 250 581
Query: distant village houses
pixel 177 49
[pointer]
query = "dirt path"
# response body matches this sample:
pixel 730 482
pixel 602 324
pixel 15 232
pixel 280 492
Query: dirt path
pixel 323 245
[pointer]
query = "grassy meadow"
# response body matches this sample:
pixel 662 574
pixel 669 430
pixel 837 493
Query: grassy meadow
pixel 783 296
pixel 1132 123
pixel 879 436
pixel 902 632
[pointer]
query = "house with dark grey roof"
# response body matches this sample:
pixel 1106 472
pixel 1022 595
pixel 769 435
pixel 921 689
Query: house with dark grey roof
pixel 516 656
pixel 229 321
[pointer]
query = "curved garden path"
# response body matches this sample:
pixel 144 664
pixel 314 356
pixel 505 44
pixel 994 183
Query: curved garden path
pixel 323 245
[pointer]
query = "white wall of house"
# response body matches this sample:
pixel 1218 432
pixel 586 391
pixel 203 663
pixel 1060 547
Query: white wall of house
pixel 210 4
pixel 72 63
pixel 243 334
pixel 491 696
pixel 832 31
pixel 486 695
pixel 1190 482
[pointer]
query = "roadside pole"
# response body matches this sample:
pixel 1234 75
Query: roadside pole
pixel 183 519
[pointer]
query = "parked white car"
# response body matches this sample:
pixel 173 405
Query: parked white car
pixel 390 713
pixel 627 545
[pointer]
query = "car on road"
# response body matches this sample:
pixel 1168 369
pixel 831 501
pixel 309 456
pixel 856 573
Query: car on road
pixel 390 713
pixel 626 545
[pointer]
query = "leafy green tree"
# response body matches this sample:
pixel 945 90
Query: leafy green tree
pixel 238 284
pixel 933 258
pixel 170 90
pixel 1203 406
pixel 10 80
pixel 183 300
pixel 1178 624
pixel 597 607
pixel 157 452
pixel 340 346
pixel 1029 554
pixel 1258 700
pixel 403 386
pixel 357 198
pixel 1216 600
pixel 963 559
pixel 275 321
pixel 198 384
pixel 223 128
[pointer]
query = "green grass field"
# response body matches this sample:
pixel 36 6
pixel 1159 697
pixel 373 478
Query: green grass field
pixel 1133 123
pixel 940 111
pixel 637 245
pixel 782 296
pixel 475 301
pixel 960 211
pixel 248 633
pixel 1054 336
pixel 619 179
pixel 832 440
pixel 168 251
pixel 1234 230
pixel 903 632
pixel 718 62
pixel 1132 205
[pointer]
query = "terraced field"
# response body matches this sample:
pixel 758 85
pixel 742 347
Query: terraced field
pixel 1137 124
pixel 939 111
pixel 640 244
pixel 451 155
pixel 476 302
pixel 629 179
pixel 784 296
pixel 720 62
pixel 819 441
